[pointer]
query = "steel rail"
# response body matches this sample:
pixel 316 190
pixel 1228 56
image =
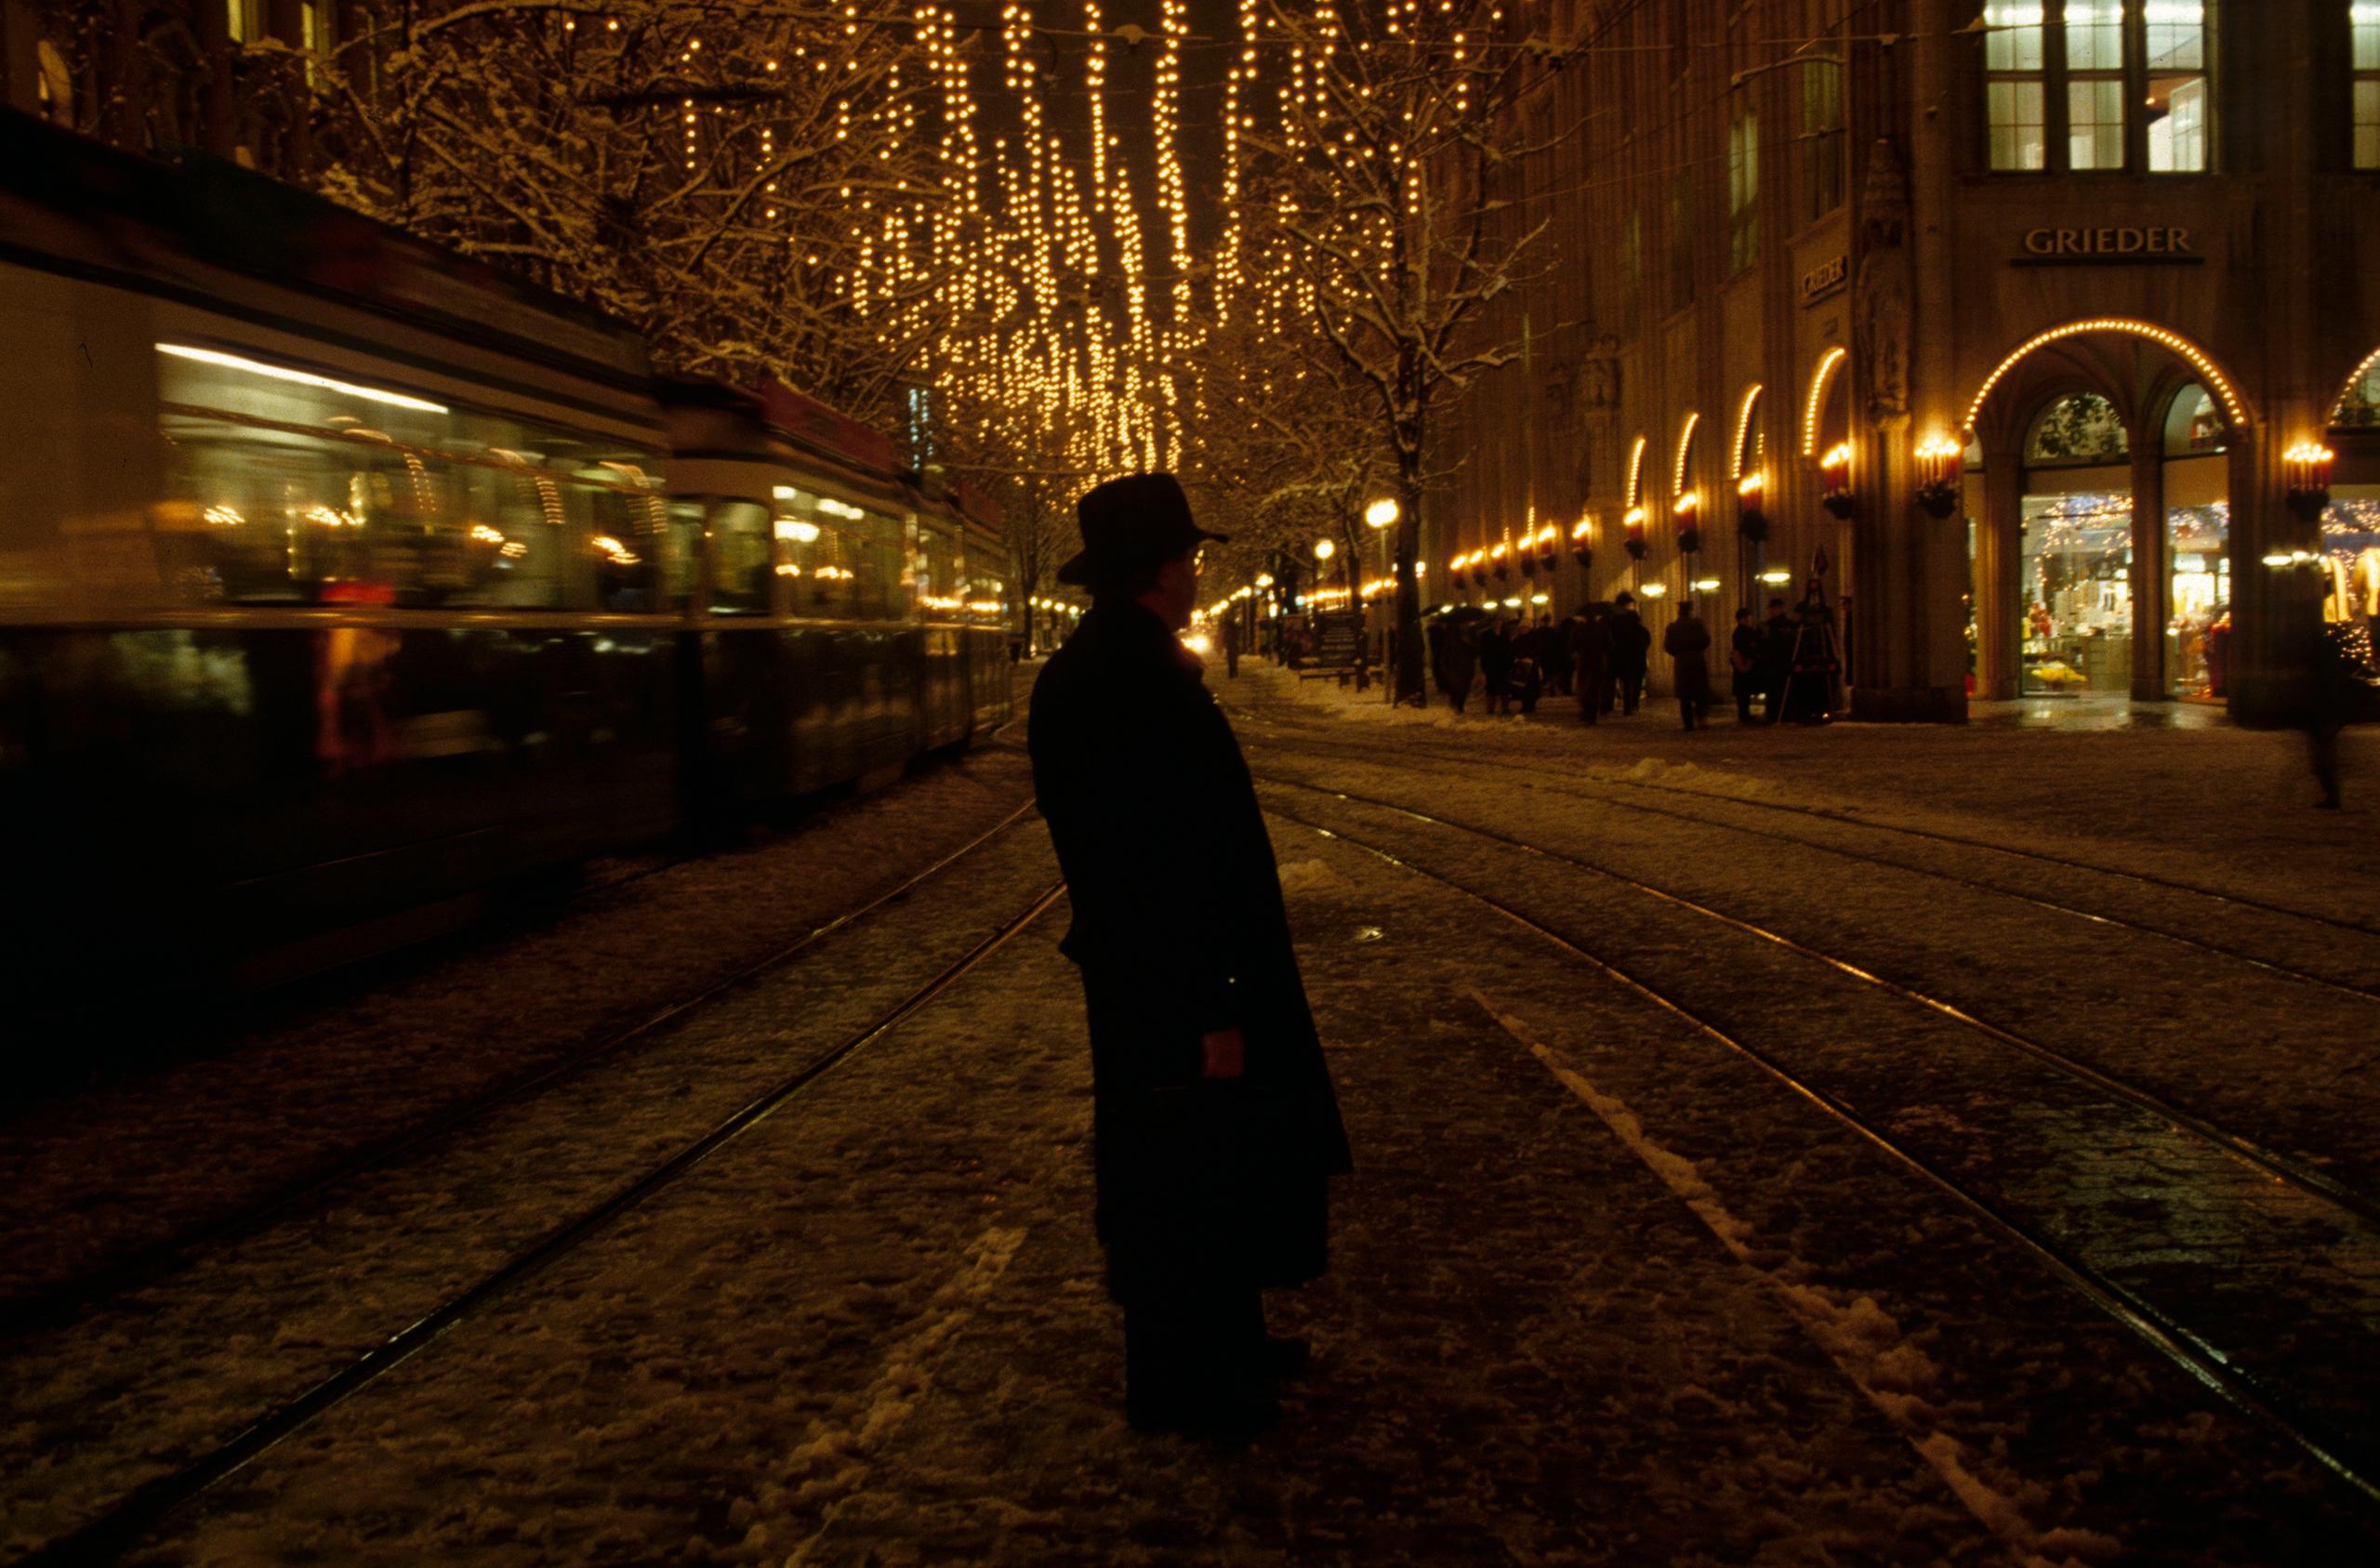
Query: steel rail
pixel 122 1523
pixel 60 1304
pixel 2270 966
pixel 2203 1362
pixel 2268 1161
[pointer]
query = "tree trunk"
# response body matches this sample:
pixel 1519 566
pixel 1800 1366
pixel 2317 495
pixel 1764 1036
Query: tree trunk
pixel 1410 666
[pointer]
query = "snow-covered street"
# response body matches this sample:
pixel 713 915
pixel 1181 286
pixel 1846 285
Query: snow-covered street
pixel 1830 1146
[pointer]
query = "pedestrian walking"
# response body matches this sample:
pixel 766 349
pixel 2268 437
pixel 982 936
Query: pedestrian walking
pixel 1688 642
pixel 1559 667
pixel 2329 690
pixel 1777 635
pixel 1528 671
pixel 1495 665
pixel 1214 1124
pixel 1462 660
pixel 1631 641
pixel 1743 664
pixel 1231 645
pixel 1589 642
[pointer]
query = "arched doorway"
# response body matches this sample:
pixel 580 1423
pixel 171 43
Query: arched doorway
pixel 2101 551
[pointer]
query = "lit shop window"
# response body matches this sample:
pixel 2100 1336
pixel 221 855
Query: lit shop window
pixel 2363 20
pixel 2015 58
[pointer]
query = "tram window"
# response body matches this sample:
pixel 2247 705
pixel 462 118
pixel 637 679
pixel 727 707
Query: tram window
pixel 288 486
pixel 742 567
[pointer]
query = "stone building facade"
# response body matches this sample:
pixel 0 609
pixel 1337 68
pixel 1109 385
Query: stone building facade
pixel 2092 268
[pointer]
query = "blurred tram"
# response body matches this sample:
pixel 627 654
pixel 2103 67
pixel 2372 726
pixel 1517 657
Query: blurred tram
pixel 344 581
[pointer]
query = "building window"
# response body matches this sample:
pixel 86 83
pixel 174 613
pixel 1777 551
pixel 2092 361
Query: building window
pixel 2015 58
pixel 2180 112
pixel 1823 138
pixel 2095 84
pixel 2363 21
pixel 1743 193
pixel 2063 78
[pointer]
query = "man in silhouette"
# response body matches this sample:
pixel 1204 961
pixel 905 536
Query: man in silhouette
pixel 1215 1127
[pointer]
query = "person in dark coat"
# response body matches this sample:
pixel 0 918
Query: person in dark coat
pixel 1532 663
pixel 1631 641
pixel 1777 635
pixel 2327 692
pixel 1744 663
pixel 1559 667
pixel 1688 642
pixel 1496 665
pixel 1214 1125
pixel 1231 645
pixel 1462 660
pixel 1590 643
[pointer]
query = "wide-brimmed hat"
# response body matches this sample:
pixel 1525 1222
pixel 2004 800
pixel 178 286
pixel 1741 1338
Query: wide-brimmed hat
pixel 1131 525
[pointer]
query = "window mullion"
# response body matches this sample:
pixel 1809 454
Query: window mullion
pixel 2136 86
pixel 2056 121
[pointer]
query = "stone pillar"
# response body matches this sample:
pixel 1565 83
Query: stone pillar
pixel 1908 642
pixel 2152 572
pixel 1999 575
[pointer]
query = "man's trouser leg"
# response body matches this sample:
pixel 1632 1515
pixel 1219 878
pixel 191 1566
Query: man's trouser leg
pixel 1190 1351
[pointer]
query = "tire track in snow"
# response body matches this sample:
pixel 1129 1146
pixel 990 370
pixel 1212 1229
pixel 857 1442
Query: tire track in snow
pixel 1864 1343
pixel 832 1466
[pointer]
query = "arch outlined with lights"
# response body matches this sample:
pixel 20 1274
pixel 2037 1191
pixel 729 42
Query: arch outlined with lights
pixel 2347 388
pixel 1636 472
pixel 1820 379
pixel 2234 409
pixel 1743 429
pixel 1685 449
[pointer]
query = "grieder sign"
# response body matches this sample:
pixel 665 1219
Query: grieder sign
pixel 2106 244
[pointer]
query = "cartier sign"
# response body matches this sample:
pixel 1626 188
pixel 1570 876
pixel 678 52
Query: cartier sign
pixel 2109 247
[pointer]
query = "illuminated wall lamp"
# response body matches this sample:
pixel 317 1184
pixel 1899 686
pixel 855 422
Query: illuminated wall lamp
pixel 1500 560
pixel 1751 523
pixel 1706 585
pixel 2306 470
pixel 1582 542
pixel 1834 479
pixel 1939 462
pixel 1633 533
pixel 1688 511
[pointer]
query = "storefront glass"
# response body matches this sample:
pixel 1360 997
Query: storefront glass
pixel 2075 552
pixel 2351 558
pixel 2198 536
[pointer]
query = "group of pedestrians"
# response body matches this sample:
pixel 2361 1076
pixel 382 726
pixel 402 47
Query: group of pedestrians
pixel 1599 656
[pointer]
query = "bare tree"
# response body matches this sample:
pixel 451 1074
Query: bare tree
pixel 1382 217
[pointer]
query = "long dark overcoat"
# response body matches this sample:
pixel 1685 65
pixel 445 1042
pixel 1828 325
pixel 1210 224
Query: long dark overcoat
pixel 1178 931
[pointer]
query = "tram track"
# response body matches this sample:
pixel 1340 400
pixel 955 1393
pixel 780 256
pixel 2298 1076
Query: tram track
pixel 2055 1227
pixel 147 1265
pixel 1586 789
pixel 121 1523
pixel 2280 1167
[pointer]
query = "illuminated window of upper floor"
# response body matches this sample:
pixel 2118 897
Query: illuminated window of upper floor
pixel 2098 84
pixel 2363 25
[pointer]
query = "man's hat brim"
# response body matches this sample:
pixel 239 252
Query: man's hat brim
pixel 1087 565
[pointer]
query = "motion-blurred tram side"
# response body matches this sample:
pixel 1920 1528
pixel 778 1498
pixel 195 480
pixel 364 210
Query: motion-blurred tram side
pixel 343 582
